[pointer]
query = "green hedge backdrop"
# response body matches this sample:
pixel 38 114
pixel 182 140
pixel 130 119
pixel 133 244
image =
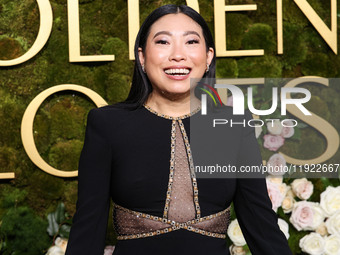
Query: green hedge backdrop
pixel 60 122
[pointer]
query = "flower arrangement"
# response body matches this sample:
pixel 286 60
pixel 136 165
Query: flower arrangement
pixel 308 210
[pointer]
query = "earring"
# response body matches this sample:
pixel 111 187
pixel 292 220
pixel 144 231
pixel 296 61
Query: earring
pixel 207 70
pixel 143 68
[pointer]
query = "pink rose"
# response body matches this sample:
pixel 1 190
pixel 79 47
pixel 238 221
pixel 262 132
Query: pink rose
pixel 276 197
pixel 273 142
pixel 276 164
pixel 109 250
pixel 302 215
pixel 230 101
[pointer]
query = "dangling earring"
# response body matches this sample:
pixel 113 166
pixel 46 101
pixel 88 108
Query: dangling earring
pixel 207 70
pixel 143 68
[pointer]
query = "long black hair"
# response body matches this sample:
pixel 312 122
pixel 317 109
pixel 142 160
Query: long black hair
pixel 141 86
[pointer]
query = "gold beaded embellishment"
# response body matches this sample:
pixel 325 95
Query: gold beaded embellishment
pixel 192 168
pixel 170 225
pixel 170 117
pixel 182 209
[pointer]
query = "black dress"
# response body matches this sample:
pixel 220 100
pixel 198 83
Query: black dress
pixel 126 157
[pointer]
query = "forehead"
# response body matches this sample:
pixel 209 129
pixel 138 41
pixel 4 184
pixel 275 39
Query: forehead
pixel 175 23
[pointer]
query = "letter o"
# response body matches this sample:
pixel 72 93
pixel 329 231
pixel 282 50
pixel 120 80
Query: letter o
pixel 28 119
pixel 46 21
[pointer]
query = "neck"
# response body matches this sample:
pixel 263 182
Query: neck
pixel 174 105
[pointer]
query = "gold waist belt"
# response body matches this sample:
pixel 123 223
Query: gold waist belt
pixel 182 208
pixel 131 224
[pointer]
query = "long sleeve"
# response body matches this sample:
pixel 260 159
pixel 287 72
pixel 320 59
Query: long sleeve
pixel 89 226
pixel 253 207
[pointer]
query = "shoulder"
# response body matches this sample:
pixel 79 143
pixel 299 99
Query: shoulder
pixel 108 112
pixel 110 117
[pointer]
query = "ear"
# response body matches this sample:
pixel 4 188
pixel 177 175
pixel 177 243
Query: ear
pixel 210 55
pixel 141 56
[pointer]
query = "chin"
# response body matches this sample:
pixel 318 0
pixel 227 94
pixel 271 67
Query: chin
pixel 178 92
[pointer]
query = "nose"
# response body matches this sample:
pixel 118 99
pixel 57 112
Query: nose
pixel 177 53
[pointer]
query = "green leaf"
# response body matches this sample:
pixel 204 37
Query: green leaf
pixel 65 231
pixel 246 249
pixel 325 181
pixel 291 169
pixel 2 245
pixel 264 106
pixel 297 134
pixel 59 214
pixel 255 90
pixel 301 125
pixel 232 212
pixel 264 129
pixel 53 225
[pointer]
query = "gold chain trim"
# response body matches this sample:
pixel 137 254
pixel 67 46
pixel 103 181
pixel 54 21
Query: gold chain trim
pixel 174 225
pixel 192 169
pixel 172 167
pixel 170 117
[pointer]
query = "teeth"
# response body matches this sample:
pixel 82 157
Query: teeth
pixel 177 71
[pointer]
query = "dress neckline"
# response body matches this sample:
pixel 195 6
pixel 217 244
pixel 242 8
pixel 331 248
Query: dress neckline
pixel 171 117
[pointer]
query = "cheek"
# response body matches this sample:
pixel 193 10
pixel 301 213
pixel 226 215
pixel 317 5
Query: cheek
pixel 155 56
pixel 199 57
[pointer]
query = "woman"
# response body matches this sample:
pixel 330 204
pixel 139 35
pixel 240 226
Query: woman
pixel 138 154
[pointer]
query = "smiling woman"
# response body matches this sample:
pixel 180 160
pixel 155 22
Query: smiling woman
pixel 175 51
pixel 137 153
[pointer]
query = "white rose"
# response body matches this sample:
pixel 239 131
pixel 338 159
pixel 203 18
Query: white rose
pixel 283 189
pixel 290 191
pixel 287 204
pixel 333 223
pixel 330 200
pixel 61 243
pixel 332 245
pixel 318 216
pixel 236 250
pixel 283 225
pixel 275 179
pixel 322 229
pixel 302 188
pixel 313 244
pixel 55 250
pixel 289 131
pixel 274 127
pixel 109 249
pixel 235 233
pixel 274 194
pixel 276 164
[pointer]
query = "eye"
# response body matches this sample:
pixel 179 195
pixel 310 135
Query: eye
pixel 161 42
pixel 194 41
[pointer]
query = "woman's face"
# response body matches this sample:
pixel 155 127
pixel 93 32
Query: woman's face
pixel 175 52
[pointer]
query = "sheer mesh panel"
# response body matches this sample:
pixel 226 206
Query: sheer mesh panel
pixel 127 222
pixel 218 224
pixel 181 208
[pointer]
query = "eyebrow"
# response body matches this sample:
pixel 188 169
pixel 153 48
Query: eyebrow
pixel 170 34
